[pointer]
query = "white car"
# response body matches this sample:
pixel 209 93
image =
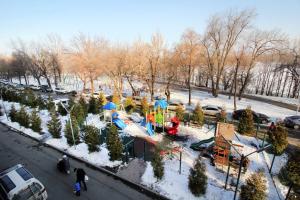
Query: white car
pixel 173 105
pixel 211 110
pixel 18 183
pixel 35 87
pixel 65 102
pixel 60 90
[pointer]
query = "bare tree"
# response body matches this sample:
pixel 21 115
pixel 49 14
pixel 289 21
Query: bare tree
pixel 222 33
pixel 87 56
pixel 188 54
pixel 258 44
pixel 154 55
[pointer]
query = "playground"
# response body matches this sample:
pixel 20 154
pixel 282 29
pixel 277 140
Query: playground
pixel 219 145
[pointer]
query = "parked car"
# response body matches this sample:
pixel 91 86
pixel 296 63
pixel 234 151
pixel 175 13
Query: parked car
pixel 64 101
pixel 174 104
pixel 60 90
pixel 137 100
pixel 35 87
pixel 211 110
pixel 292 122
pixel 20 87
pixel 86 92
pixel 45 88
pixel 257 117
pixel 18 183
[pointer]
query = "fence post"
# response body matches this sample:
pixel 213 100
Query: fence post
pixel 144 150
pixel 180 157
pixel 227 175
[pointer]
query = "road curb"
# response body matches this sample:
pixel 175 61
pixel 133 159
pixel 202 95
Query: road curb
pixel 138 187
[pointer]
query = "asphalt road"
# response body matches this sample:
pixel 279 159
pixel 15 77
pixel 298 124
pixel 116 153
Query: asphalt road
pixel 41 162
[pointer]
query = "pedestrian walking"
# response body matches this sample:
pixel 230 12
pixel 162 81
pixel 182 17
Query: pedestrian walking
pixel 77 188
pixel 80 177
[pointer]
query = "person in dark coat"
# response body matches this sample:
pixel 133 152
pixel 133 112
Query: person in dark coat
pixel 80 177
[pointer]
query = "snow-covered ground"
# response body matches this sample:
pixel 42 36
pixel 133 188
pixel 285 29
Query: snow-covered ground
pixel 280 99
pixel 205 98
pixel 100 158
pixel 175 185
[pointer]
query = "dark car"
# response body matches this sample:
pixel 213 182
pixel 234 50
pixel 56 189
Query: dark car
pixel 45 88
pixel 257 117
pixel 292 121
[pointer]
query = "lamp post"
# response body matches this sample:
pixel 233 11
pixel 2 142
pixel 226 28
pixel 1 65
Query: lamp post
pixel 240 166
pixel 70 118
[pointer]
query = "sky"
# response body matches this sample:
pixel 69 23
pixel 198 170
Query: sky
pixel 128 20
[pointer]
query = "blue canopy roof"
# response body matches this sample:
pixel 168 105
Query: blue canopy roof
pixel 162 103
pixel 109 106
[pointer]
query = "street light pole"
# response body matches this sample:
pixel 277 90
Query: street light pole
pixel 240 167
pixel 70 118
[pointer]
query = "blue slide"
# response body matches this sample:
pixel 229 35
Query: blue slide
pixel 119 123
pixel 149 129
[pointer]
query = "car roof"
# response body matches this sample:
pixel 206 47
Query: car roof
pixel 15 178
pixel 212 106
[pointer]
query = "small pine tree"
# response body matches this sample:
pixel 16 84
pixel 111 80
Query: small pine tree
pixel 114 144
pixel 68 132
pixel 84 105
pixel 23 118
pixel 158 164
pixel 198 178
pixel 198 115
pixel 92 138
pixel 78 113
pixel 246 124
pixel 13 113
pixel 102 100
pixel 54 125
pixel 222 117
pixel 278 139
pixel 93 106
pixel 293 172
pixel 116 98
pixel 41 103
pixel 50 103
pixel 31 99
pixel 35 121
pixel 255 188
pixel 179 113
pixel 61 110
pixel 129 105
pixel 145 106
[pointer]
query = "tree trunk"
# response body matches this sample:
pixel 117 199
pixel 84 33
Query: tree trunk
pixel 284 84
pixel 92 85
pixel 235 83
pixel 48 81
pixel 291 83
pixel 279 83
pixel 26 81
pixel 189 86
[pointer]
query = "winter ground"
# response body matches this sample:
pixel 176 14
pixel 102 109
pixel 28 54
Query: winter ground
pixel 175 185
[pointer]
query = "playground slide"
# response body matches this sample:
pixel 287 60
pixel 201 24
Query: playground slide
pixel 149 129
pixel 200 145
pixel 119 123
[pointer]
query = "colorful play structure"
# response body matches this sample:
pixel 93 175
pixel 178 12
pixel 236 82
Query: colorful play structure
pixel 155 121
pixel 112 115
pixel 221 148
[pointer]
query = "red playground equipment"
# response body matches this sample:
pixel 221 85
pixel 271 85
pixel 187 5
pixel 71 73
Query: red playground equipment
pixel 174 128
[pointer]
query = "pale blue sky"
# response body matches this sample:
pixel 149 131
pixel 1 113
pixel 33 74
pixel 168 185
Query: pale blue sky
pixel 125 21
